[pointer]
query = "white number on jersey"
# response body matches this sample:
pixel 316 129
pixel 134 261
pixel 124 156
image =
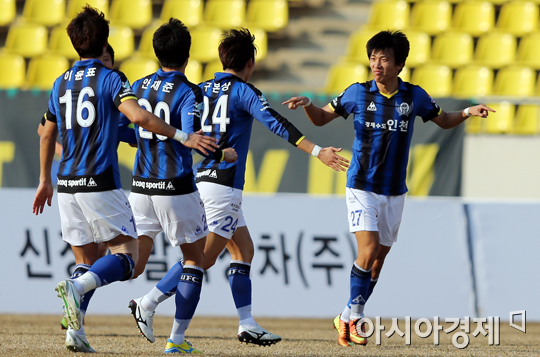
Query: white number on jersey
pixel 219 116
pixel 81 105
pixel 161 108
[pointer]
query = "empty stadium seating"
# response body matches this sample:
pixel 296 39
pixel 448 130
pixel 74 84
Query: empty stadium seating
pixel 133 13
pixel 190 12
pixel 472 81
pixel 431 16
pixel 435 79
pixel 45 12
pixel 495 50
pixel 60 43
pixel 514 81
pixel 194 71
pixel 43 71
pixel 12 71
pixel 28 40
pixel 474 17
pixel 502 121
pixel 224 14
pixel 267 15
pixel 7 12
pixel 518 17
pixel 76 6
pixel 122 41
pixel 211 68
pixel 526 121
pixel 138 67
pixel 420 48
pixel 356 47
pixel 389 15
pixel 204 43
pixel 453 49
pixel 343 75
pixel 528 52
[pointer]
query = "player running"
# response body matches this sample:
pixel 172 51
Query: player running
pixel 384 111
pixel 85 105
pixel 230 105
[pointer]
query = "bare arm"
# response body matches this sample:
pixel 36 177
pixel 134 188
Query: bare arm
pixel 57 146
pixel 327 155
pixel 453 119
pixel 318 116
pixel 44 192
pixel 143 118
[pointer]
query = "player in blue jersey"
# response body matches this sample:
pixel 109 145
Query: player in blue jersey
pixel 84 107
pixel 163 194
pixel 230 105
pixel 384 110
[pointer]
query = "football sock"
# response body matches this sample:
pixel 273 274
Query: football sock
pixel 346 314
pixel 80 269
pixel 164 289
pixel 105 270
pixel 187 297
pixel 360 280
pixel 240 283
pixel 371 287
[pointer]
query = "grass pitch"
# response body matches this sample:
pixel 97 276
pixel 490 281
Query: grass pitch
pixel 40 335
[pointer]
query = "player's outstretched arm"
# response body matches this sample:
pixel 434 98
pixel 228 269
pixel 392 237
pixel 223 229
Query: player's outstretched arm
pixel 453 119
pixel 45 190
pixel 201 142
pixel 318 116
pixel 327 155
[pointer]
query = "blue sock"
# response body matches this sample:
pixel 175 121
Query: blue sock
pixel 111 268
pixel 360 280
pixel 371 287
pixel 240 283
pixel 80 269
pixel 188 292
pixel 167 285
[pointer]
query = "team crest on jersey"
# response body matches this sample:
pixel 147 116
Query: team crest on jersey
pixel 404 108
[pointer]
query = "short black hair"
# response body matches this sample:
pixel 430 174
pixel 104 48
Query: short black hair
pixel 392 40
pixel 236 48
pixel 110 51
pixel 172 42
pixel 89 32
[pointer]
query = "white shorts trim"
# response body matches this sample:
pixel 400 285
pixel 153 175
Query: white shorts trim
pixel 180 217
pixel 88 217
pixel 223 206
pixel 369 211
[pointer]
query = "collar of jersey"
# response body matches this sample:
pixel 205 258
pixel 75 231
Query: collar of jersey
pixel 374 88
pixel 87 62
pixel 221 75
pixel 162 73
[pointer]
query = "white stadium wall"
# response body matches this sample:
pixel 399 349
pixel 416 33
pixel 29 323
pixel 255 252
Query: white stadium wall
pixel 303 255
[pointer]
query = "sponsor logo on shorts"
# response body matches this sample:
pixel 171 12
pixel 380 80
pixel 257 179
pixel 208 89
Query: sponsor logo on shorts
pixel 210 173
pixel 214 223
pixel 124 229
pixel 91 183
pixel 153 185
pixel 170 186
pixel 198 230
pixel 235 207
pixel 74 183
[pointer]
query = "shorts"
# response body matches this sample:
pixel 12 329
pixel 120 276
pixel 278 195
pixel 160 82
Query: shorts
pixel 180 217
pixel 369 211
pixel 95 217
pixel 223 206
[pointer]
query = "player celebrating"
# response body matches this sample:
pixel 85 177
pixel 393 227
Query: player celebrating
pixel 230 105
pixel 163 195
pixel 84 105
pixel 384 111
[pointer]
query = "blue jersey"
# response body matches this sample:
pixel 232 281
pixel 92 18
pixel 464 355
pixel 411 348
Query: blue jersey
pixel 164 166
pixel 230 105
pixel 383 128
pixel 84 104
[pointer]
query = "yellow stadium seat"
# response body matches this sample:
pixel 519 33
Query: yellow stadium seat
pixel 343 75
pixel 12 70
pixel 502 121
pixel 435 79
pixel 420 48
pixel 44 12
pixel 133 13
pixel 474 125
pixel 122 40
pixel 527 120
pixel 518 17
pixel 389 15
pixel 431 16
pixel 474 17
pixel 204 43
pixel 453 49
pixel 146 47
pixel 224 14
pixel 194 72
pixel 211 68
pixel 28 40
pixel 356 47
pixel 138 67
pixel 514 81
pixel 267 15
pixel 8 10
pixel 190 12
pixel 472 81
pixel 528 52
pixel 76 6
pixel 60 43
pixel 495 50
pixel 43 71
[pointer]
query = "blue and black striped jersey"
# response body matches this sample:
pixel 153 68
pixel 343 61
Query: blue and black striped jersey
pixel 164 166
pixel 230 105
pixel 383 130
pixel 84 104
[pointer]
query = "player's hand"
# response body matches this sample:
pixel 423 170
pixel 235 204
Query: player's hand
pixel 43 195
pixel 295 102
pixel 201 142
pixel 329 157
pixel 230 155
pixel 480 110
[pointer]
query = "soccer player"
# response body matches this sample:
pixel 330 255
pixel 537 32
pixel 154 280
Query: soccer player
pixel 163 194
pixel 84 106
pixel 384 111
pixel 230 105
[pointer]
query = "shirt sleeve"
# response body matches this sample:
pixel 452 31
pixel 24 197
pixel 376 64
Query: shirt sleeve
pixel 255 103
pixel 344 103
pixel 120 88
pixel 427 108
